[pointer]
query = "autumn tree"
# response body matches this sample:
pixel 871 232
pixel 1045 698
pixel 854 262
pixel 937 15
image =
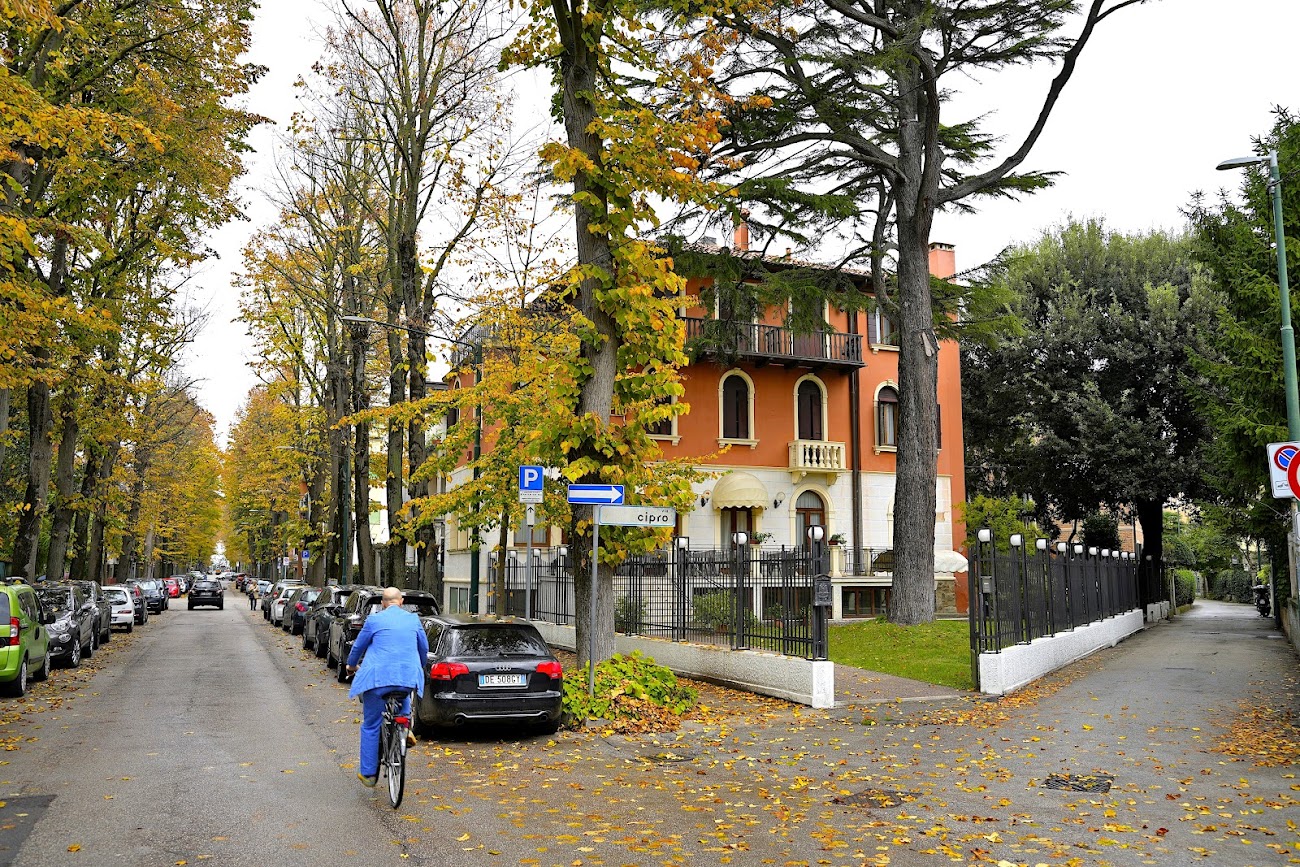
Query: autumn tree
pixel 847 135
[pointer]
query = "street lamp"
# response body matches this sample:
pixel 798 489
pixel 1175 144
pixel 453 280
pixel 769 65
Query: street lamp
pixel 1288 336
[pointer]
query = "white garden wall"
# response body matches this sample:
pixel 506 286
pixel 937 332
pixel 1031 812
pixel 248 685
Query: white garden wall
pixel 1021 664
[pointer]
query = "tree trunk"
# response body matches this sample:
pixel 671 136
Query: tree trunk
pixel 94 555
pixel 149 565
pixel 361 465
pixel 40 426
pixel 335 407
pixel 579 68
pixel 4 424
pixel 915 500
pixel 395 552
pixel 128 558
pixel 64 490
pixel 1151 515
pixel 502 608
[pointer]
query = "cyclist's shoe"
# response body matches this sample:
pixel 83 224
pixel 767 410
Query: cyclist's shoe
pixel 368 782
pixel 410 739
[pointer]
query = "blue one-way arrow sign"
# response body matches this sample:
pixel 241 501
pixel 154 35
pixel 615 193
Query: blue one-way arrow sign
pixel 596 495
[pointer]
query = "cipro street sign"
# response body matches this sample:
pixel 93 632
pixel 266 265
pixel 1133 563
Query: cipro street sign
pixel 531 481
pixel 638 516
pixel 1284 469
pixel 596 495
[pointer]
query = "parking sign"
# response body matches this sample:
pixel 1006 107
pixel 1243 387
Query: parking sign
pixel 531 481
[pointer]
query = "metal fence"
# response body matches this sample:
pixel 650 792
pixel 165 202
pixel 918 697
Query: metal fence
pixel 1018 595
pixel 744 598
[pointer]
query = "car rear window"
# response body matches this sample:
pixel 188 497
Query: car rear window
pixel 422 607
pixel 4 607
pixel 495 641
pixel 117 597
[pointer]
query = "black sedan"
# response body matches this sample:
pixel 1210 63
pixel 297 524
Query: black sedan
pixel 206 591
pixel 295 610
pixel 74 634
pixel 488 671
pixel 155 595
pixel 316 625
pixel 360 605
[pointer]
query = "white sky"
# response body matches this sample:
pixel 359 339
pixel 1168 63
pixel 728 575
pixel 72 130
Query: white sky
pixel 1162 93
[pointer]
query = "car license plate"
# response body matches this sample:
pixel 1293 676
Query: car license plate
pixel 500 680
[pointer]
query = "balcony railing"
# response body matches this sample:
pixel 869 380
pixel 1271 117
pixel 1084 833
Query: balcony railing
pixel 773 344
pixel 817 456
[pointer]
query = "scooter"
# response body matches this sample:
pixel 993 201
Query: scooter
pixel 1261 599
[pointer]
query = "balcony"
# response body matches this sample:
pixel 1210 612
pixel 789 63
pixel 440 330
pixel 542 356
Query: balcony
pixel 816 456
pixel 773 344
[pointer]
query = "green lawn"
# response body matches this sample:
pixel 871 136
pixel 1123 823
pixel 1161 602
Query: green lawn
pixel 937 652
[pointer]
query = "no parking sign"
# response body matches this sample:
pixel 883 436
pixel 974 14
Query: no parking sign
pixel 1284 469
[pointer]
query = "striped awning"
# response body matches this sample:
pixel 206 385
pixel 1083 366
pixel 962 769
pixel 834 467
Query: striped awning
pixel 740 490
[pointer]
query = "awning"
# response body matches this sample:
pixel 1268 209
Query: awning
pixel 740 490
pixel 949 561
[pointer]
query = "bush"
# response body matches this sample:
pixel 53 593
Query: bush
pixel 1184 587
pixel 627 614
pixel 713 609
pixel 633 693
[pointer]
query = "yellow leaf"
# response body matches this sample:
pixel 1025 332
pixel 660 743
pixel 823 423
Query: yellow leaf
pixel 75 847
pixel 462 838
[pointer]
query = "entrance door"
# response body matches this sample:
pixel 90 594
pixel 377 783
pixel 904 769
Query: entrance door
pixel 736 521
pixel 810 511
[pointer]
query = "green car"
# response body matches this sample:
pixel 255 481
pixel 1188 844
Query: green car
pixel 24 641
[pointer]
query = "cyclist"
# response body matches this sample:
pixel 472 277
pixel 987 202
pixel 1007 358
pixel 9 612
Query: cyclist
pixel 394 648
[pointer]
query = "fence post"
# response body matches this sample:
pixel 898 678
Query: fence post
pixel 739 541
pixel 682 551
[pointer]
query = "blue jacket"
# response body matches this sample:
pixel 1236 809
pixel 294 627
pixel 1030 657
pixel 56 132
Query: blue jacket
pixel 394 648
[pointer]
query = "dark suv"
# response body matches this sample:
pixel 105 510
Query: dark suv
pixel 96 594
pixel 360 605
pixel 328 605
pixel 206 591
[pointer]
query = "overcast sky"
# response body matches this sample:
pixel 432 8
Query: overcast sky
pixel 1162 93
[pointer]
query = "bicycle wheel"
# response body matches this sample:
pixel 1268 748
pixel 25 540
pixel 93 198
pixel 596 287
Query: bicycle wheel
pixel 395 760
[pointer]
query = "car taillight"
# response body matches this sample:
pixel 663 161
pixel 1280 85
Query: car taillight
pixel 448 670
pixel 553 670
pixel 15 626
pixel 300 607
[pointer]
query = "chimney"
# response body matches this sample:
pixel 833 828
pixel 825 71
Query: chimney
pixel 740 239
pixel 943 260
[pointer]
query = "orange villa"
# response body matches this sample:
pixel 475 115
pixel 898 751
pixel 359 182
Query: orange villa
pixel 811 425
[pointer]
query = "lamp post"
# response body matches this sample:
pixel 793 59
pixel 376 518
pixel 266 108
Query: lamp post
pixel 1288 336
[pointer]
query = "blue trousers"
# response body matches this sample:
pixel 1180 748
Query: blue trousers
pixel 372 718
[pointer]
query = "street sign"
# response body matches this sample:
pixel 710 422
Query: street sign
pixel 531 482
pixel 306 555
pixel 1282 468
pixel 638 516
pixel 596 495
pixel 530 517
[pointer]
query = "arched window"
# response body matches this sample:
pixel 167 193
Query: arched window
pixel 887 417
pixel 735 408
pixel 810 410
pixel 810 511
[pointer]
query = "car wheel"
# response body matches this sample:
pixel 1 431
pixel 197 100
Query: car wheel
pixel 549 727
pixel 130 627
pixel 306 643
pixel 94 643
pixel 343 673
pixel 74 660
pixel 191 606
pixel 330 661
pixel 17 688
pixel 107 635
pixel 221 606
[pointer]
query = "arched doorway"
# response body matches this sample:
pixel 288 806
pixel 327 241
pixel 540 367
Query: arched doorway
pixel 810 511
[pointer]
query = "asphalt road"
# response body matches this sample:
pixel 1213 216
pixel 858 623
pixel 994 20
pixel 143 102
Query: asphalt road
pixel 193 743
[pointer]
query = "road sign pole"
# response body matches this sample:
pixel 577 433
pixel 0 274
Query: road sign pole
pixel 528 567
pixel 595 575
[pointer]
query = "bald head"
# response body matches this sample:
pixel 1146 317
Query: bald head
pixel 392 596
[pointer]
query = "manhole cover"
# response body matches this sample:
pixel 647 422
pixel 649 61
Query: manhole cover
pixel 876 798
pixel 1079 782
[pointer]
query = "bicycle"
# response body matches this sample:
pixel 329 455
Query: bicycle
pixel 392 744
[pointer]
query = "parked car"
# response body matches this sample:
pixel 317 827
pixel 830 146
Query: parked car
pixel 24 652
pixel 121 604
pixel 139 600
pixel 74 629
pixel 155 595
pixel 175 586
pixel 206 591
pixel 360 605
pixel 488 671
pixel 316 626
pixel 295 611
pixel 281 600
pixel 268 596
pixel 96 594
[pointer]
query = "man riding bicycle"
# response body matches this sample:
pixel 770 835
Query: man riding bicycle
pixel 394 648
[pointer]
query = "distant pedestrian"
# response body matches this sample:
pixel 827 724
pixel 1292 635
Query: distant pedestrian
pixel 252 597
